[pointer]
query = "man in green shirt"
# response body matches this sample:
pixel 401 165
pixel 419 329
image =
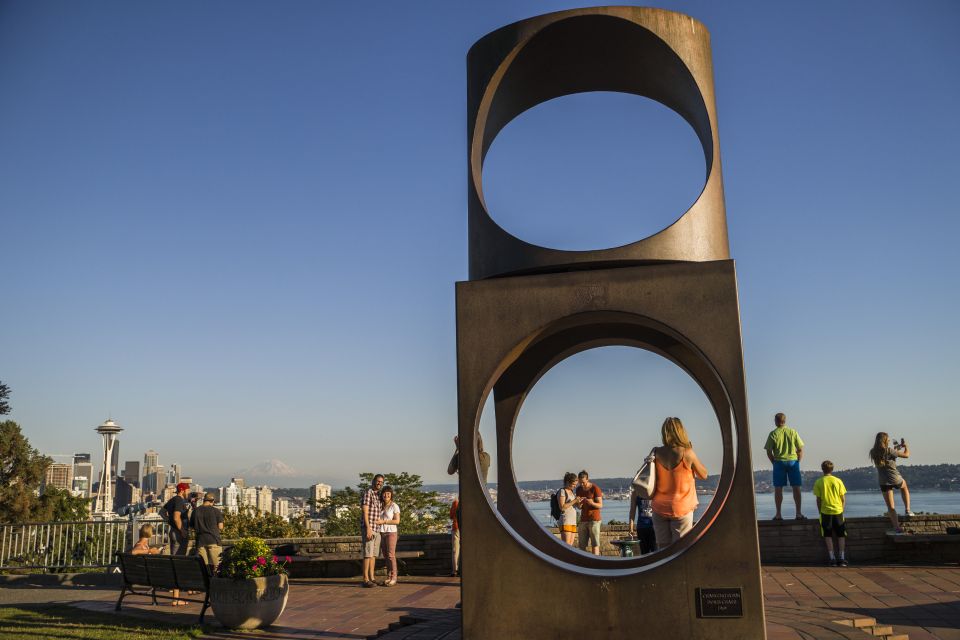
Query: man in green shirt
pixel 831 497
pixel 785 450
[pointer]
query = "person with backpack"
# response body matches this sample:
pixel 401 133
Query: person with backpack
pixel 563 506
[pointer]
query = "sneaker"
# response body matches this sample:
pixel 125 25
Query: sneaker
pixel 909 513
pixel 842 562
pixel 831 563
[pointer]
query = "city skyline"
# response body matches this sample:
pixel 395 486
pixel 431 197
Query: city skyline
pixel 238 233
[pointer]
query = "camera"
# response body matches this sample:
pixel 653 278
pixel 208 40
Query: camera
pixel 899 445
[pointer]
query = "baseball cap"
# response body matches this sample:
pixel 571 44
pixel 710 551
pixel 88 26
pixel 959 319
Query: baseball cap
pixel 209 497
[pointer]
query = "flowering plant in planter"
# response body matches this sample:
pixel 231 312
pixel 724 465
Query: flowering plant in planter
pixel 252 558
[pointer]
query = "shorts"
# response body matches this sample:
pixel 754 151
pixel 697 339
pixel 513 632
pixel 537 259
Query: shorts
pixel 588 531
pixel 784 470
pixel 890 487
pixel 371 548
pixel 832 524
pixel 568 528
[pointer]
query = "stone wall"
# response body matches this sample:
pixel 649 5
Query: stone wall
pixel 799 541
pixel 783 542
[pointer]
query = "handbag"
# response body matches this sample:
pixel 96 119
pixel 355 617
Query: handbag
pixel 645 480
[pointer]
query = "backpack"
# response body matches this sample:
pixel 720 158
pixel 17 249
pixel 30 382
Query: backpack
pixel 555 511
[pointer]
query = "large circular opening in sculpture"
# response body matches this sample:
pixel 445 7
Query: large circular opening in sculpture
pixel 534 358
pixel 587 170
pixel 601 411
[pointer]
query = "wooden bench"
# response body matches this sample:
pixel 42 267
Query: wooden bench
pixel 186 573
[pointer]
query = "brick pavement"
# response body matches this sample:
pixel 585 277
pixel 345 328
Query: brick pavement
pixel 802 603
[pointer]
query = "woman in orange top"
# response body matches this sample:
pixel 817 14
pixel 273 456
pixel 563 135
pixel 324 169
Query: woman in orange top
pixel 675 495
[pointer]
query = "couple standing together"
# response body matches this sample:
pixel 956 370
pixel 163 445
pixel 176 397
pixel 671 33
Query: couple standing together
pixel 378 531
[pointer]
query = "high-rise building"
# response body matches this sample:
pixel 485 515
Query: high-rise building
pixel 82 474
pixel 239 482
pixel 155 480
pixel 59 475
pixel 265 499
pixel 228 498
pixel 168 492
pixel 81 486
pixel 126 493
pixel 247 497
pixel 150 459
pixel 173 476
pixel 115 459
pixel 281 507
pixel 131 472
pixel 318 492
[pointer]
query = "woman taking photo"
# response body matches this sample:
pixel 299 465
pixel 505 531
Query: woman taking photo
pixel 389 519
pixel 884 458
pixel 675 494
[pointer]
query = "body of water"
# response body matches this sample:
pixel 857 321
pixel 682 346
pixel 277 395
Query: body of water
pixel 859 504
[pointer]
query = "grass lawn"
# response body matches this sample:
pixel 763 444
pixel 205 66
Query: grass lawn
pixel 33 621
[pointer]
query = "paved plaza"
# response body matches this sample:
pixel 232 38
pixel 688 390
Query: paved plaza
pixel 898 602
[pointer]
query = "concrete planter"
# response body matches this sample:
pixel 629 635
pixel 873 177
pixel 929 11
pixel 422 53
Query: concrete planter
pixel 248 604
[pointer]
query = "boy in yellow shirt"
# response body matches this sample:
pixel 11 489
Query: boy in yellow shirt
pixel 831 497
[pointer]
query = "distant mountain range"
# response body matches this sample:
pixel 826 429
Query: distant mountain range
pixel 945 477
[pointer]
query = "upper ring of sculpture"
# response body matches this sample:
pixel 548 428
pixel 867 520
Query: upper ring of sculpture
pixel 658 54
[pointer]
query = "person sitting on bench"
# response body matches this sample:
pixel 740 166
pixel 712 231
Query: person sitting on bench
pixel 142 546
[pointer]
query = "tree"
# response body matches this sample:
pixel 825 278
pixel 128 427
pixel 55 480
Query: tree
pixel 248 522
pixel 420 511
pixel 59 505
pixel 22 469
pixel 4 396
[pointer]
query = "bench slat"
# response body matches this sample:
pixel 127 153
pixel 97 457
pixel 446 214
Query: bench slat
pixel 191 573
pixel 134 569
pixel 161 572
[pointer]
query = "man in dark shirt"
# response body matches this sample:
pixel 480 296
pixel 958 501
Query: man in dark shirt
pixel 176 510
pixel 207 521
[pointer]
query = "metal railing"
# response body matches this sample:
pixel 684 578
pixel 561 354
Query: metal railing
pixel 60 546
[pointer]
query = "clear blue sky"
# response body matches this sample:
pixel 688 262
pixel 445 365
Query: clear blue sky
pixel 236 227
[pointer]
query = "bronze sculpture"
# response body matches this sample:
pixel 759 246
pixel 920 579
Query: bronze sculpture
pixel 526 308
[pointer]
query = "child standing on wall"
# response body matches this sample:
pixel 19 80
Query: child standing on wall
pixel 831 497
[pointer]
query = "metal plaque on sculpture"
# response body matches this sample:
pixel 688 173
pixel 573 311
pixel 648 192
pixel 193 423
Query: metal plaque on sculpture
pixel 719 603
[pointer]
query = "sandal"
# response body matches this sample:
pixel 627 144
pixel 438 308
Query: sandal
pixel 179 603
pixel 777 518
pixel 800 517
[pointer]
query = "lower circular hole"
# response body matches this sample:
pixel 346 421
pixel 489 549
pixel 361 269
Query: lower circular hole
pixel 601 410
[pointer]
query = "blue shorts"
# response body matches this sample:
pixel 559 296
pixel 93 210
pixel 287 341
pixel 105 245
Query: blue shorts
pixel 784 470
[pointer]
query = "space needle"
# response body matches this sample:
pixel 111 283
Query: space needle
pixel 103 507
